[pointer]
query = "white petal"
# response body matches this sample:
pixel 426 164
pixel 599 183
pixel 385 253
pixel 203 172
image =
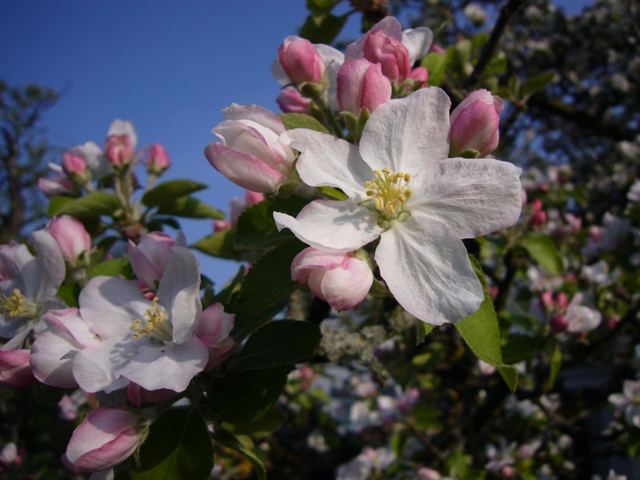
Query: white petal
pixel 179 293
pixel 327 160
pixel 428 271
pixel 333 60
pixel 92 369
pixel 110 304
pixel 123 127
pixel 278 73
pixel 170 366
pixel 341 226
pixel 50 264
pixel 255 113
pixel 407 133
pixel 19 265
pixel 472 197
pixel 418 42
pixel 51 360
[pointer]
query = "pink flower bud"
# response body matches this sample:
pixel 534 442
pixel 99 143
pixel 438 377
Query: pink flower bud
pixel 220 226
pixel 291 100
pixel 361 84
pixel 435 48
pixel 55 186
pixel 475 123
pixel 389 52
pixel 546 298
pixel 15 369
pixel 149 258
pixel 71 236
pixel 139 396
pixel 419 75
pixel 559 323
pixel 73 164
pixel 213 331
pixel 300 60
pixel 157 159
pixel 562 302
pixel 538 215
pixel 119 149
pixel 105 438
pixel 338 278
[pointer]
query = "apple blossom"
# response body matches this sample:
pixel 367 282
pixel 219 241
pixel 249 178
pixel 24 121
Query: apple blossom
pixel 59 184
pixel 120 143
pixel 250 153
pixel 292 101
pixel 300 60
pixel 340 279
pixel 396 50
pixel 94 158
pixel 15 369
pixel 9 455
pixel 28 286
pixel 361 84
pixel 580 318
pixel 629 401
pixel 71 236
pixel 214 330
pixel 475 123
pixel 157 159
pixel 141 339
pixel 105 438
pixel 403 190
pixel 74 165
pixel 150 256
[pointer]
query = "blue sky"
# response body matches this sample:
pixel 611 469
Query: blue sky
pixel 168 66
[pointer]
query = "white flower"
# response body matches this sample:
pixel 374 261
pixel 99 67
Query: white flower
pixel 403 190
pixel 118 335
pixel 580 318
pixel 629 400
pixel 28 286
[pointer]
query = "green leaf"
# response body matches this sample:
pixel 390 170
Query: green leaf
pixel 302 120
pixel 281 342
pixel 422 330
pixel 556 363
pixel 169 191
pixel 519 348
pixel 536 83
pixel 266 289
pixel 322 28
pixel 266 425
pixel 256 227
pixel 56 203
pixel 219 244
pixel 86 207
pixel 229 440
pixel 247 396
pixel 189 207
pixel 112 267
pixel 544 252
pixel 436 64
pixel 481 332
pixel 178 448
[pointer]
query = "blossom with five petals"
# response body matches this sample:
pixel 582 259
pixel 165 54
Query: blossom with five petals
pixel 403 189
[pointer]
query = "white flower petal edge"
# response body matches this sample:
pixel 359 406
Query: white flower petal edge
pixel 336 225
pixel 407 133
pixel 418 42
pixel 428 272
pixel 327 160
pixel 472 197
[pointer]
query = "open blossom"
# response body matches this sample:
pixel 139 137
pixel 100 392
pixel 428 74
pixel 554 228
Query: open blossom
pixel 361 84
pixel 28 286
pixel 580 318
pixel 141 338
pixel 394 49
pixel 151 255
pixel 105 438
pixel 475 123
pixel 338 278
pixel 403 189
pixel 71 236
pixel 250 152
pixel 629 401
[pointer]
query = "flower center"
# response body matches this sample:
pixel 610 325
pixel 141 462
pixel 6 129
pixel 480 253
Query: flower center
pixel 389 192
pixel 155 324
pixel 17 305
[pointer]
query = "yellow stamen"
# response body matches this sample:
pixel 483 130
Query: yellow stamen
pixel 17 305
pixel 388 192
pixel 155 325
